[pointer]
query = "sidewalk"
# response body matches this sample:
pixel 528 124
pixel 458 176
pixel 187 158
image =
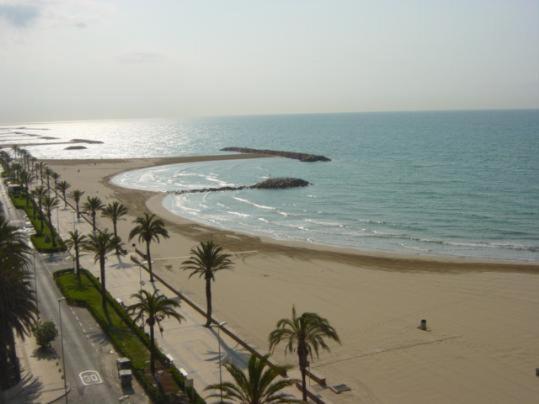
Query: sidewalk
pixel 42 380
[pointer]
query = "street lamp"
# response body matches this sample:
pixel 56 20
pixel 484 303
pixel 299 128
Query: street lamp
pixel 219 325
pixel 35 281
pixel 60 300
pixel 141 284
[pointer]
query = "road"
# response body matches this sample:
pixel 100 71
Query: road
pixel 86 348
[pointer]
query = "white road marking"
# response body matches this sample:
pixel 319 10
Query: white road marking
pixel 89 377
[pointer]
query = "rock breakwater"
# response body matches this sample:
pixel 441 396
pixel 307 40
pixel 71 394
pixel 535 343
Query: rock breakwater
pixel 271 183
pixel 308 158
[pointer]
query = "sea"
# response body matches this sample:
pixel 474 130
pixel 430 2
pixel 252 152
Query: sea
pixel 448 184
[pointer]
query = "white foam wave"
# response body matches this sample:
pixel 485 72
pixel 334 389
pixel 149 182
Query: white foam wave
pixel 254 204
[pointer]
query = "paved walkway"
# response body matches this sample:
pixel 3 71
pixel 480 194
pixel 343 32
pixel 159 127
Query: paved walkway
pixel 42 380
pixel 193 347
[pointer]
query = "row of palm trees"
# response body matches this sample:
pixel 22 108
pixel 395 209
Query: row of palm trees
pixel 304 334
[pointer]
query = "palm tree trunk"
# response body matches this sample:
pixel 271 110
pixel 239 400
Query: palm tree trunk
pixel 208 302
pixel 49 218
pixel 77 208
pixel 93 222
pixel 149 260
pixel 302 356
pixel 9 364
pixel 152 349
pixel 77 263
pixel 115 230
pixel 103 285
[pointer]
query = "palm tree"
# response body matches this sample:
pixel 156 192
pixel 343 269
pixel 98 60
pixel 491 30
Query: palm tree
pixel 258 386
pixel 305 334
pixel 40 167
pixel 114 210
pixel 48 174
pixel 55 176
pixel 25 179
pixel 92 205
pixel 50 203
pixel 75 241
pixel 101 244
pixel 205 260
pixel 63 186
pixel 76 195
pixel 18 310
pixel 148 228
pixel 40 192
pixel 155 308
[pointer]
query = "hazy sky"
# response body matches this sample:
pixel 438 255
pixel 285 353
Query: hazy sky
pixel 76 59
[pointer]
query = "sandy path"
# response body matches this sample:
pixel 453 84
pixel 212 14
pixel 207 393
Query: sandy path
pixel 483 345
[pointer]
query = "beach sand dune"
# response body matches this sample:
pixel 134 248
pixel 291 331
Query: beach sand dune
pixel 482 345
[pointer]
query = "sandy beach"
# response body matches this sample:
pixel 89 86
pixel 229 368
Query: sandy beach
pixel 482 344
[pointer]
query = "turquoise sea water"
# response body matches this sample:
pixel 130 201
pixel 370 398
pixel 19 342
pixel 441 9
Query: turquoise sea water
pixel 437 183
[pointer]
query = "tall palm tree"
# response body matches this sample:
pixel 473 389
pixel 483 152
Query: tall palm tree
pixel 55 176
pixel 205 260
pixel 305 335
pixel 114 211
pixel 63 186
pixel 92 205
pixel 40 192
pixel 76 195
pixel 148 228
pixel 18 309
pixel 40 167
pixel 48 174
pixel 25 179
pixel 75 241
pixel 50 203
pixel 260 385
pixel 101 244
pixel 155 308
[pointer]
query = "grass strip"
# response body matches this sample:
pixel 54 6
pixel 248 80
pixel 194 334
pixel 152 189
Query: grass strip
pixel 126 337
pixel 42 240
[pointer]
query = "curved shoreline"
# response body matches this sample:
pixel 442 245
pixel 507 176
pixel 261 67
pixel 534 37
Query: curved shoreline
pixel 236 240
pixel 477 311
pixel 381 260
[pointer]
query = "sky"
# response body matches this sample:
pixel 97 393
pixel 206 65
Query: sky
pixel 97 59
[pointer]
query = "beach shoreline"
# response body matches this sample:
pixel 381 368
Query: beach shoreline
pixel 382 259
pixel 482 314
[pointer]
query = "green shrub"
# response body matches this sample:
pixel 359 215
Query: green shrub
pixel 45 332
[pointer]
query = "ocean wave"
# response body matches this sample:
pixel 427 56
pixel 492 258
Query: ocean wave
pixel 254 204
pixel 325 223
pixel 237 213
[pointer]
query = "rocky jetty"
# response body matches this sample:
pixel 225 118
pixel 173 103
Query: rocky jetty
pixel 75 148
pixel 309 158
pixel 271 183
pixel 281 183
pixel 86 141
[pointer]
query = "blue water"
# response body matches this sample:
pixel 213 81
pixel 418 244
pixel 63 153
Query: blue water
pixel 436 183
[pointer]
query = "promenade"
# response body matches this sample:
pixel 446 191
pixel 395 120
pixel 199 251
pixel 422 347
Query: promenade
pixel 193 348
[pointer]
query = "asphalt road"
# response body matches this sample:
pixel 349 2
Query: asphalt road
pixel 85 346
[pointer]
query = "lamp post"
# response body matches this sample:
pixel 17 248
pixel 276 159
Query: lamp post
pixel 141 284
pixel 219 325
pixel 58 221
pixel 35 280
pixel 60 300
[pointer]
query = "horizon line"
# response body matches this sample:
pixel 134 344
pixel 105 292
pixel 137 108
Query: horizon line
pixel 270 114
